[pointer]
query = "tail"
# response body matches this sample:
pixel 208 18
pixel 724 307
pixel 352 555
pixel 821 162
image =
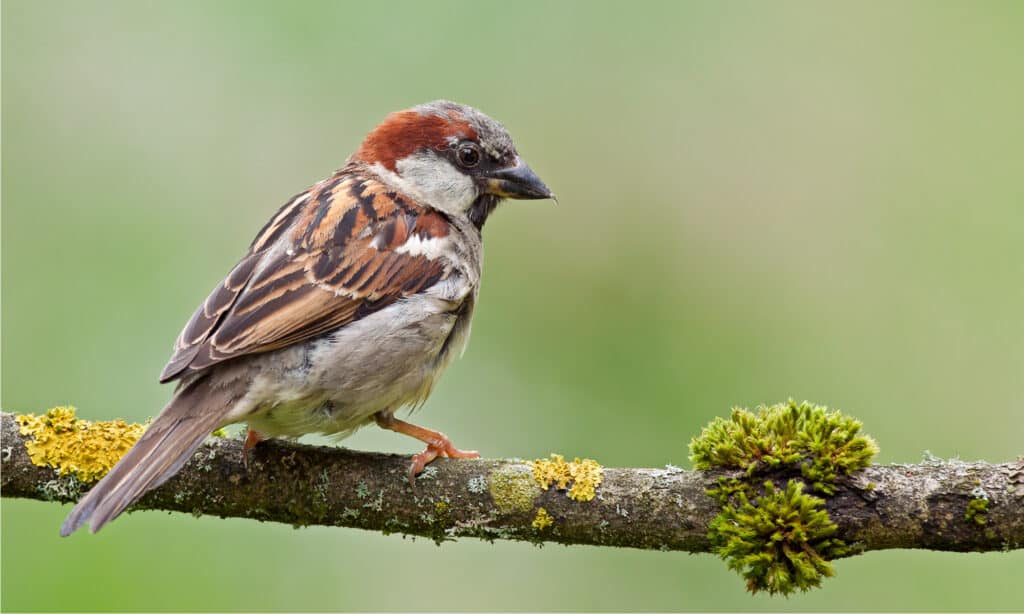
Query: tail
pixel 196 410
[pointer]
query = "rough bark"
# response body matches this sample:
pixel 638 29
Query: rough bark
pixel 892 506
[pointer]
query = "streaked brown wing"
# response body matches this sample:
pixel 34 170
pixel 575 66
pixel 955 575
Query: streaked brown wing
pixel 341 261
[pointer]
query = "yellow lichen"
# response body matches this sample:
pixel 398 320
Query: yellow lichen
pixel 542 520
pixel 87 450
pixel 512 489
pixel 585 476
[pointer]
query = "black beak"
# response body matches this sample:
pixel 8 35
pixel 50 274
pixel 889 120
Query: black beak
pixel 518 181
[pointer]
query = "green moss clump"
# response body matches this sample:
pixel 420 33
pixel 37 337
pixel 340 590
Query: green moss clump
pixel 976 510
pixel 820 442
pixel 727 489
pixel 780 541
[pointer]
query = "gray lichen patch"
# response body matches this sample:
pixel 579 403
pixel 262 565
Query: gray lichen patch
pixel 362 490
pixel 477 485
pixel 62 488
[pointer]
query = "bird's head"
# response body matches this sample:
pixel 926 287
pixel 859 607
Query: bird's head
pixel 450 157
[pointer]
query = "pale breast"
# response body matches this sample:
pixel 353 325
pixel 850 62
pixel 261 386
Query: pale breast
pixel 387 360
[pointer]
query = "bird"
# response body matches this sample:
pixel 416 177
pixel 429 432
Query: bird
pixel 348 305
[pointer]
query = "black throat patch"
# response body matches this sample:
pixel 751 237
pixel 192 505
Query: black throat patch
pixel 482 208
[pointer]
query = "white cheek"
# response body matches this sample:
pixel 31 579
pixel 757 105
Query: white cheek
pixel 433 181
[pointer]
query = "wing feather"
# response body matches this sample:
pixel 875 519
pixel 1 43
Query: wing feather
pixel 330 256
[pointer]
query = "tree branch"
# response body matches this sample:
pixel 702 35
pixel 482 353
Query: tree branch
pixel 894 506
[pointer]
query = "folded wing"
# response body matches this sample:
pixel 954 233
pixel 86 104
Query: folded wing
pixel 333 254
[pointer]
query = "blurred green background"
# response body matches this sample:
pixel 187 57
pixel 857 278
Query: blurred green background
pixel 757 201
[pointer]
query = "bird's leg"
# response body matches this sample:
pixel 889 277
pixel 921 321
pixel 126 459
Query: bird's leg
pixel 251 439
pixel 438 443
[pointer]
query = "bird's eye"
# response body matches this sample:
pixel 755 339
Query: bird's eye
pixel 468 154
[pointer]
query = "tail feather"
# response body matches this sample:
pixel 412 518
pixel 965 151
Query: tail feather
pixel 168 443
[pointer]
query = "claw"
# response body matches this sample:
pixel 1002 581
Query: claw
pixel 438 444
pixel 441 447
pixel 420 461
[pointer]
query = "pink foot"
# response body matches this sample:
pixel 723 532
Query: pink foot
pixel 440 447
pixel 251 439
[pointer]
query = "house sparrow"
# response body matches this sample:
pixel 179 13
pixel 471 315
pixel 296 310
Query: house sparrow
pixel 349 304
